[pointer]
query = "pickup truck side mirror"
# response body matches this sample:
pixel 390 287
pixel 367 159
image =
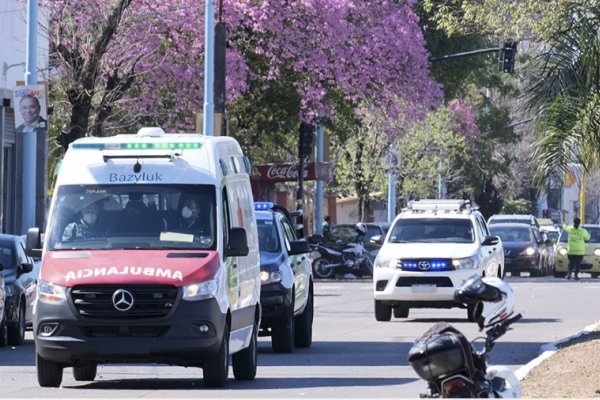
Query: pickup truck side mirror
pixel 238 243
pixel 377 239
pixel 491 240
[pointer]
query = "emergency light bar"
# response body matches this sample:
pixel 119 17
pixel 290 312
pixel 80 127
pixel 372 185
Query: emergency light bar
pixel 138 146
pixel 263 205
pixel 439 205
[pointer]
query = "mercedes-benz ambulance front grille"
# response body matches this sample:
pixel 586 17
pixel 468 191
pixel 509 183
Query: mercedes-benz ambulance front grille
pixel 123 301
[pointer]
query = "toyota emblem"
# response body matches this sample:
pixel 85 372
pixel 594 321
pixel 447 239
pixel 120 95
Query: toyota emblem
pixel 122 300
pixel 424 265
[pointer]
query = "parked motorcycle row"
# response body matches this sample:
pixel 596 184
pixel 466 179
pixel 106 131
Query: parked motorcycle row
pixel 342 252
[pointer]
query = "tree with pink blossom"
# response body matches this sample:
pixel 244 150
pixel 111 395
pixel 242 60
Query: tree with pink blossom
pixel 126 62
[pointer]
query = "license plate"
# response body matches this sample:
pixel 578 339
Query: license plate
pixel 424 288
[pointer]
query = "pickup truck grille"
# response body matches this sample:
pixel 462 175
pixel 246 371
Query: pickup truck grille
pixel 147 301
pixel 427 264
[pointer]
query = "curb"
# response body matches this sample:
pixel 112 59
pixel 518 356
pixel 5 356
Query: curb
pixel 548 350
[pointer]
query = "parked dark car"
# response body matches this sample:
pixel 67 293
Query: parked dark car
pixel 524 249
pixel 286 281
pixel 20 279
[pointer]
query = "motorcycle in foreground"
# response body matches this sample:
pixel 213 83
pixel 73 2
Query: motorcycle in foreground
pixel 332 259
pixel 454 367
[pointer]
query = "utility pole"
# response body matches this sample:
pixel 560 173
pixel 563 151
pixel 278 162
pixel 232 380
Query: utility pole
pixel 393 162
pixel 220 71
pixel 319 185
pixel 209 67
pixel 30 137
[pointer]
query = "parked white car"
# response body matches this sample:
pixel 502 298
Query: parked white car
pixel 431 248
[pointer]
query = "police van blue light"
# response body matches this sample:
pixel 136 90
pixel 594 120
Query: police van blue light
pixel 263 205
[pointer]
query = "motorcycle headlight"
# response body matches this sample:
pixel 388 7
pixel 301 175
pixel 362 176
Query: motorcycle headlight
pixel 597 252
pixel 267 277
pixel 201 290
pixel 562 251
pixel 48 291
pixel 528 251
pixel 465 263
pixel 382 262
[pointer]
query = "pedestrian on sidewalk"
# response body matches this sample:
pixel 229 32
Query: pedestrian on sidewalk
pixel 577 236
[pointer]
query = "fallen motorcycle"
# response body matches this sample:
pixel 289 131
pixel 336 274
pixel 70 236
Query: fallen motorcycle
pixel 452 366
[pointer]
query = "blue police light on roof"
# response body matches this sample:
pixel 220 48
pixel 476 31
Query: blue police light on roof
pixel 263 205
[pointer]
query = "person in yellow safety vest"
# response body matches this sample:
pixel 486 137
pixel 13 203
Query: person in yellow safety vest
pixel 575 246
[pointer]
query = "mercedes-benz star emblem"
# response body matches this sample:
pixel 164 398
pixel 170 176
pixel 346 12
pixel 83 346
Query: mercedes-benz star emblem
pixel 424 265
pixel 122 300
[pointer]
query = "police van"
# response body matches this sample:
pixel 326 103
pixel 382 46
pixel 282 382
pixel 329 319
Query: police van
pixel 150 254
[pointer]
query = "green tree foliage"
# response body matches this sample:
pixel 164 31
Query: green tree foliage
pixel 518 19
pixel 358 149
pixel 431 148
pixel 516 206
pixel 564 92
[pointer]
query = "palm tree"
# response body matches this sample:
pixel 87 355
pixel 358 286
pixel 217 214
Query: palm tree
pixel 565 95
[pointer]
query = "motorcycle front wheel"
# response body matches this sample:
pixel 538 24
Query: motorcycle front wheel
pixel 319 269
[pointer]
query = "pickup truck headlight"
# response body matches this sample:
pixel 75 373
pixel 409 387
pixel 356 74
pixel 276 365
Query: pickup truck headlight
pixel 465 263
pixel 267 277
pixel 201 290
pixel 48 291
pixel 597 252
pixel 382 262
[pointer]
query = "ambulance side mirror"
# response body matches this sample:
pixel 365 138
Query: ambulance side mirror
pixel 33 243
pixel 238 243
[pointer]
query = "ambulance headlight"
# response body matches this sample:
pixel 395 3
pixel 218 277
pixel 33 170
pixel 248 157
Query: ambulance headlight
pixel 201 291
pixel 48 291
pixel 562 251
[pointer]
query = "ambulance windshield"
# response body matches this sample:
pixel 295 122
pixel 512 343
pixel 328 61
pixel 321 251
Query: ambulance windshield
pixel 102 217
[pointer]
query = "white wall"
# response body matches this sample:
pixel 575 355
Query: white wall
pixel 13 35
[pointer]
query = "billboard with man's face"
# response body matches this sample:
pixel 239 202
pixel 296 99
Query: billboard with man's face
pixel 30 108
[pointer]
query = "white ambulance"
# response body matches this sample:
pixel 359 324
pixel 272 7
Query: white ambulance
pixel 150 255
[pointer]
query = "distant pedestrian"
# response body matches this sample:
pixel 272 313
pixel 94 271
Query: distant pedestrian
pixel 575 246
pixel 327 227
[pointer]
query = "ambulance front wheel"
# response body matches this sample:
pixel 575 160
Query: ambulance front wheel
pixel 49 373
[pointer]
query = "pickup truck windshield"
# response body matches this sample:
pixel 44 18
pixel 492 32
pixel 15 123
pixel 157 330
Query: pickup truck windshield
pixel 432 230
pixel 101 217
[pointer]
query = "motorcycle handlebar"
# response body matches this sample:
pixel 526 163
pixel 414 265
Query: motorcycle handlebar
pixel 494 333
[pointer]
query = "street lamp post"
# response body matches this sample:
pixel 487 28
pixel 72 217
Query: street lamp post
pixel 29 137
pixel 209 67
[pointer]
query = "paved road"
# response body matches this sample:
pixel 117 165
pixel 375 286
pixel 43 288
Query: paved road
pixel 353 355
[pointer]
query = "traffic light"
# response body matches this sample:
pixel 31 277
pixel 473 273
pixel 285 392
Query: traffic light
pixel 306 139
pixel 506 59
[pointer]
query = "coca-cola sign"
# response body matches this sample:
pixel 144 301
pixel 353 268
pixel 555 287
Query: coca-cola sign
pixel 287 172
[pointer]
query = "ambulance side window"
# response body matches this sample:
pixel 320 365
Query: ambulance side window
pixel 226 222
